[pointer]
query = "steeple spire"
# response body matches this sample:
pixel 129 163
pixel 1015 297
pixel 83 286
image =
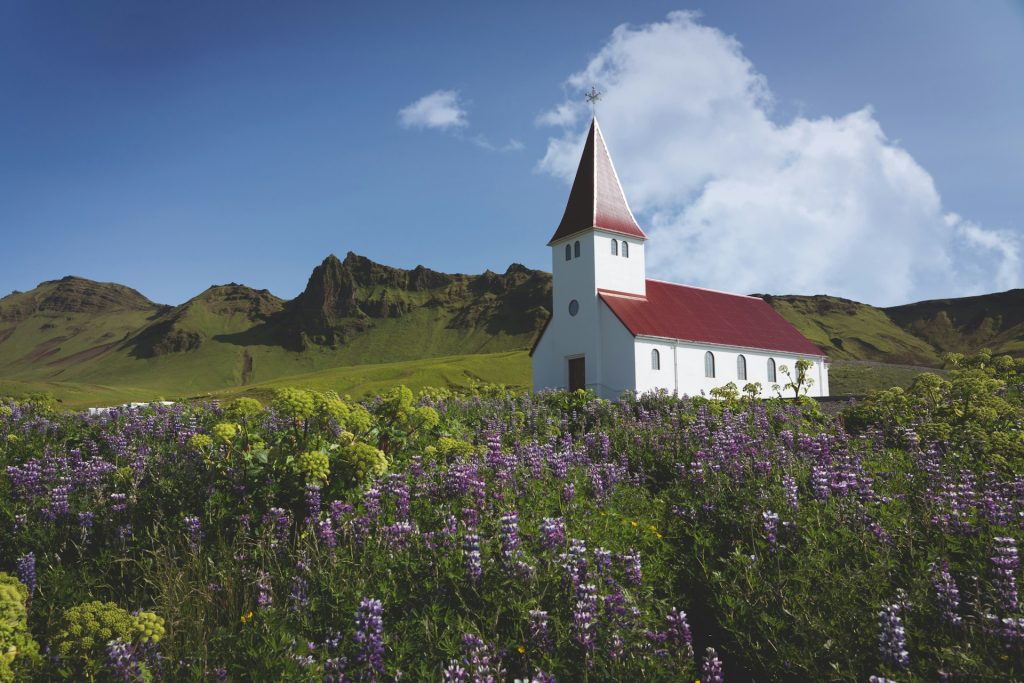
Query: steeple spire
pixel 596 199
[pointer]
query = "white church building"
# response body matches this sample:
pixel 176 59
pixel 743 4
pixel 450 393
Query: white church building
pixel 613 330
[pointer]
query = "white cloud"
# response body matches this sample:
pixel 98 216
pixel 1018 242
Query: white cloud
pixel 512 145
pixel 733 200
pixel 440 109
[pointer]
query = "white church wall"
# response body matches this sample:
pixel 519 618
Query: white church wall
pixel 567 335
pixel 618 349
pixel 615 271
pixel 682 368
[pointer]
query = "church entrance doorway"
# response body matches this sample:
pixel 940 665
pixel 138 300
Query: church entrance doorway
pixel 577 373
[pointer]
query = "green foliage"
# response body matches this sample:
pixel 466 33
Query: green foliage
pixel 978 410
pixel 313 467
pixel 87 628
pixel 358 463
pixel 243 409
pixel 18 651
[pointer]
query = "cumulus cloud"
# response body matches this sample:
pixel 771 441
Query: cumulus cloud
pixel 440 109
pixel 734 200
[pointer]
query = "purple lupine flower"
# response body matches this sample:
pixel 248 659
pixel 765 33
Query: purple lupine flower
pixel 892 639
pixel 574 564
pixel 678 631
pixel 85 524
pixel 338 509
pixel 471 555
pixel 371 501
pixel 370 636
pixel 820 484
pixel 299 596
pixel 325 532
pixel 1006 562
pixel 770 524
pixel 282 524
pixel 264 596
pixel 568 493
pixel 471 517
pixel 454 673
pixel 584 617
pixel 552 532
pixel 634 573
pixel 509 537
pixel 946 593
pixel 27 572
pixel 880 679
pixel 194 529
pixel 481 661
pixel 122 661
pixel 602 562
pixel 312 502
pixel 539 632
pixel 790 490
pixel 711 669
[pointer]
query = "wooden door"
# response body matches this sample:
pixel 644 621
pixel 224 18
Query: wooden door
pixel 577 374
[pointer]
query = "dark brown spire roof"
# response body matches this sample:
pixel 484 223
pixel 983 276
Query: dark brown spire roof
pixel 596 199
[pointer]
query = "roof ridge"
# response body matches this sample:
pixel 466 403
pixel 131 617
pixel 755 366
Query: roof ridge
pixel 705 289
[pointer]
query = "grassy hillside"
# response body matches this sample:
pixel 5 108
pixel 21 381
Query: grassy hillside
pixel 964 325
pixel 509 368
pixel 847 330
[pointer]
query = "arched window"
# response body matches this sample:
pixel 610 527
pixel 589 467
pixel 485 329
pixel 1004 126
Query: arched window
pixel 709 364
pixel 655 360
pixel 615 248
pixel 771 369
pixel 625 249
pixel 568 252
pixel 576 248
pixel 741 367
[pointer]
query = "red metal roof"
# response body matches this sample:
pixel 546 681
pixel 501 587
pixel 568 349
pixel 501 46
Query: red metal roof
pixel 704 315
pixel 596 199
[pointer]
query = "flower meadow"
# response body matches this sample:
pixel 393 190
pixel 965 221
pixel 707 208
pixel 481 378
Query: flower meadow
pixel 493 536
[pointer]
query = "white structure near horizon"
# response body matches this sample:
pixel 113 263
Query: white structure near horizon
pixel 614 330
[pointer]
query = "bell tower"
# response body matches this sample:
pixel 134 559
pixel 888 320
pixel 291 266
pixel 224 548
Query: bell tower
pixel 598 245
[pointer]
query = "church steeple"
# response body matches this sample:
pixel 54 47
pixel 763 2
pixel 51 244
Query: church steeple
pixel 596 199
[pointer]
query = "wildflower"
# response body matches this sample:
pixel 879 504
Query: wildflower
pixel 892 639
pixel 678 631
pixel 584 616
pixel 711 669
pixel 370 636
pixel 946 592
pixel 193 529
pixel 246 617
pixel 471 554
pixel 1006 562
pixel 264 597
pixel 539 633
pixel 552 532
pixel 27 572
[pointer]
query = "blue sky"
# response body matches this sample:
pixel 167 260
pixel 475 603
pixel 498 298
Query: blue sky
pixel 786 147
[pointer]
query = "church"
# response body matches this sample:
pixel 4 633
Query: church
pixel 612 329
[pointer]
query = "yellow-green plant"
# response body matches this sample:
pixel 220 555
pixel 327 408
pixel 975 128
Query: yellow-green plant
pixel 313 467
pixel 360 462
pixel 18 651
pixel 86 630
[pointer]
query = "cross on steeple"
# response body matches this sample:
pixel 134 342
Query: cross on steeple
pixel 593 97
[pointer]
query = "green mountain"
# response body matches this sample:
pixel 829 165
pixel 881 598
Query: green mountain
pixel 916 334
pixel 78 337
pixel 362 325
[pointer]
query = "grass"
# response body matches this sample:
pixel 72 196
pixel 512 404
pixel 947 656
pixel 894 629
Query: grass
pixel 510 368
pixel 858 377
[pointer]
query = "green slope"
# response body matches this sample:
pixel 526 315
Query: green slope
pixel 509 368
pixel 847 330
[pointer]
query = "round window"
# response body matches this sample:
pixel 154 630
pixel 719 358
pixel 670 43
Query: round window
pixel 574 307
